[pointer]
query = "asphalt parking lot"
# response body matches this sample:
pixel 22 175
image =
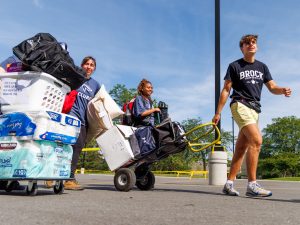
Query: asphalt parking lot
pixel 173 201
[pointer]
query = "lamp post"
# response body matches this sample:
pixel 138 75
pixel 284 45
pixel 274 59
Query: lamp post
pixel 218 158
pixel 217 57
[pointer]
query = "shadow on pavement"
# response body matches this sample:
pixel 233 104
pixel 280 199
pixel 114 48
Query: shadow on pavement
pixel 273 199
pixel 105 187
pixel 221 194
pixel 187 191
pixel 23 193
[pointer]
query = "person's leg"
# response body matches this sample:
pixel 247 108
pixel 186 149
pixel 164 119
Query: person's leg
pixel 237 159
pixel 254 141
pixel 77 148
pixel 242 116
pixel 238 156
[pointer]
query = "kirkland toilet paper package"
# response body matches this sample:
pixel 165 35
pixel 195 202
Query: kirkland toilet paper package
pixel 34 159
pixel 40 125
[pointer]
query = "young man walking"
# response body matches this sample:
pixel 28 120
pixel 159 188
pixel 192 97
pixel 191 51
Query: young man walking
pixel 246 77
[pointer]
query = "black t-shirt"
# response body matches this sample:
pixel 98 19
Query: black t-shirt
pixel 247 79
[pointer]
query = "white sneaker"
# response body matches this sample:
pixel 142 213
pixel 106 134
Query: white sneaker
pixel 255 190
pixel 229 190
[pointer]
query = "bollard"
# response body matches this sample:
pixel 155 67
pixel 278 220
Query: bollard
pixel 217 165
pixel 82 170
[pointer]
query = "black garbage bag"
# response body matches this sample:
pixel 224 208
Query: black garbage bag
pixel 170 138
pixel 42 53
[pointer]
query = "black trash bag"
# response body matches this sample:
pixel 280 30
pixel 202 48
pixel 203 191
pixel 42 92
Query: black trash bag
pixel 170 138
pixel 42 53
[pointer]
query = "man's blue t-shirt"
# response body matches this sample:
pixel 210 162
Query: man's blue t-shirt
pixel 140 105
pixel 86 92
pixel 247 79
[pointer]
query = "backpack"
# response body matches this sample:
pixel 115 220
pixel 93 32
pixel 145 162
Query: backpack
pixel 128 115
pixel 42 53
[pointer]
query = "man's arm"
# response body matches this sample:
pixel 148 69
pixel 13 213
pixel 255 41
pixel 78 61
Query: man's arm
pixel 276 90
pixel 223 98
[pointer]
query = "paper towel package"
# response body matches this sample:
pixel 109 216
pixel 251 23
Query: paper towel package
pixel 115 146
pixel 34 159
pixel 40 125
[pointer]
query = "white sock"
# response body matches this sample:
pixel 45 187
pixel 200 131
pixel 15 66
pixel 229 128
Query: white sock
pixel 229 182
pixel 251 183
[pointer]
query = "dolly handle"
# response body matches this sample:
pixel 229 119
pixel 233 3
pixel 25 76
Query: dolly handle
pixel 197 147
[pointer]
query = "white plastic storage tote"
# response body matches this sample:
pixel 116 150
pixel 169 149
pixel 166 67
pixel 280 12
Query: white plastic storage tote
pixel 31 91
pixel 34 159
pixel 115 146
pixel 40 125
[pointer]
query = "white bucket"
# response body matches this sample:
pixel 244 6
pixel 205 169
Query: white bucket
pixel 217 163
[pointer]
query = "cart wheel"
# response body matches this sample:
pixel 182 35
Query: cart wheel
pixel 3 184
pixel 13 185
pixel 31 188
pixel 147 182
pixel 124 179
pixel 58 187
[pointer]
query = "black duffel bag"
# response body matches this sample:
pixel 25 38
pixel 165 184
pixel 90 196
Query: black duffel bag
pixel 143 141
pixel 42 53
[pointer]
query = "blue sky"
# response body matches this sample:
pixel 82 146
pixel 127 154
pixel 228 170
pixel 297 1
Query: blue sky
pixel 169 42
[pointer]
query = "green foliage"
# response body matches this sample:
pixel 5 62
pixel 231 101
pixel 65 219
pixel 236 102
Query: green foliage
pixel 280 165
pixel 121 94
pixel 282 136
pixel 280 156
pixel 92 160
pixel 171 163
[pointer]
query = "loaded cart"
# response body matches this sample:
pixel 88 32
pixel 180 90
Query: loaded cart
pixel 35 137
pixel 124 150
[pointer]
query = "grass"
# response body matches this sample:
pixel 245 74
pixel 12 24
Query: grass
pixel 285 178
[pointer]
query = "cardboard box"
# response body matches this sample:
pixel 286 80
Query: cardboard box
pixel 114 144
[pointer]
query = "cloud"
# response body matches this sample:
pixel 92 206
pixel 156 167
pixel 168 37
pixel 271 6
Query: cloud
pixel 191 100
pixel 280 106
pixel 37 3
pixel 283 61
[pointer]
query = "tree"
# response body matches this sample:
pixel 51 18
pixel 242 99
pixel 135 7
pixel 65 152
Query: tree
pixel 280 152
pixel 121 94
pixel 282 136
pixel 280 165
